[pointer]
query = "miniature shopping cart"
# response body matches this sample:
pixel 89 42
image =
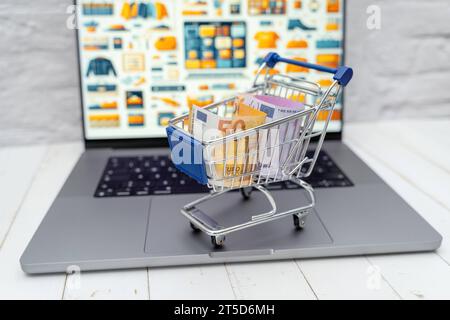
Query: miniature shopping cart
pixel 256 167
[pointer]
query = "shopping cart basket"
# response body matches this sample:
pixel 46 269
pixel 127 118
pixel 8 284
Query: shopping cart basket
pixel 256 167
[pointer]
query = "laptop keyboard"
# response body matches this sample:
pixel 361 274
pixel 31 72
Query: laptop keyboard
pixel 155 175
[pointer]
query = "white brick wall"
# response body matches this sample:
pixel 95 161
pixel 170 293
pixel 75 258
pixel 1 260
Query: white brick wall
pixel 39 95
pixel 402 70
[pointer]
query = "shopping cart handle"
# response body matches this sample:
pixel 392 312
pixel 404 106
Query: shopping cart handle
pixel 343 74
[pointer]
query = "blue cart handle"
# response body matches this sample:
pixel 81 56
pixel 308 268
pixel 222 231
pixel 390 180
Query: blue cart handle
pixel 342 75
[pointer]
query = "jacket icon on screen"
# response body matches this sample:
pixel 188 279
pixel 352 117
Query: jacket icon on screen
pixel 100 67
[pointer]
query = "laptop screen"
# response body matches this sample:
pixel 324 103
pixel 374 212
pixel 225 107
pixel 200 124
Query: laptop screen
pixel 143 62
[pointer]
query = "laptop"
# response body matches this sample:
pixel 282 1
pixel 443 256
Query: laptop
pixel 144 64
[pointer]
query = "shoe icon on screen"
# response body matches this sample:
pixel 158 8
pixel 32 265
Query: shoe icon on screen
pixel 297 23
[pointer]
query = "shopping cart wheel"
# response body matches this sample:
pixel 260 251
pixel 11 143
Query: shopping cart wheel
pixel 246 192
pixel 299 223
pixel 194 227
pixel 218 241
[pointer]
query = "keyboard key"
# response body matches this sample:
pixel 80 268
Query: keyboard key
pixel 275 186
pixel 141 192
pixel 292 185
pixel 161 190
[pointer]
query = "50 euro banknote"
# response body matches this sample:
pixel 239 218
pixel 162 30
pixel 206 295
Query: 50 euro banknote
pixel 231 161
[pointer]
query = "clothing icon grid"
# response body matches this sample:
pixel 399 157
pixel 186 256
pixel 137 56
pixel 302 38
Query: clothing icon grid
pixel 146 62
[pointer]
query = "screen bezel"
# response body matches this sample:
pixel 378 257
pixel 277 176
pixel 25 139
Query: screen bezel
pixel 153 142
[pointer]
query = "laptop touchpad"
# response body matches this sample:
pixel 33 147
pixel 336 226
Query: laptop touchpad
pixel 169 233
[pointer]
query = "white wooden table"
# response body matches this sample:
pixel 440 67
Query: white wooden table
pixel 412 156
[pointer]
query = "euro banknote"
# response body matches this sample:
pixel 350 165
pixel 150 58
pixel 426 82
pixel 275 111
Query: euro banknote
pixel 276 143
pixel 233 159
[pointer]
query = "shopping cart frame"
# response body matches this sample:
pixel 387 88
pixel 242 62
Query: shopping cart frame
pixel 199 220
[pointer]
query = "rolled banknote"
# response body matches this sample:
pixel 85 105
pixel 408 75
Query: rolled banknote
pixel 234 160
pixel 275 144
